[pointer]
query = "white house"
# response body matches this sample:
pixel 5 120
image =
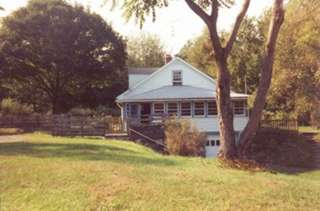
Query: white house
pixel 178 89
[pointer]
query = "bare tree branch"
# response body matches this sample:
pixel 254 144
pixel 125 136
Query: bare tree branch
pixel 236 27
pixel 199 11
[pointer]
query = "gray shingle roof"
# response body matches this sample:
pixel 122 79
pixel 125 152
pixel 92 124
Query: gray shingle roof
pixel 173 93
pixel 142 70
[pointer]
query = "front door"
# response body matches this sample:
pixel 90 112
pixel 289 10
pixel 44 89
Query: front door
pixel 145 113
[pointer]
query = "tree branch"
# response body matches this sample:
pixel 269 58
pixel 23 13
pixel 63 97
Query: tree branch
pixel 213 28
pixel 236 27
pixel 210 21
pixel 199 11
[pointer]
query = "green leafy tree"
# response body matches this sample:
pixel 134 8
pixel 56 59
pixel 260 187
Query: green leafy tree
pixel 52 53
pixel 295 89
pixel 245 58
pixel 145 50
pixel 208 11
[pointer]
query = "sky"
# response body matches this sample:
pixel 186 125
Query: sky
pixel 175 25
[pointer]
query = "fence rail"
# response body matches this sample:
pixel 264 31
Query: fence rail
pixel 64 125
pixel 280 124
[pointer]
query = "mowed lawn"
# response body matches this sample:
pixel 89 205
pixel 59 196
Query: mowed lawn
pixel 47 173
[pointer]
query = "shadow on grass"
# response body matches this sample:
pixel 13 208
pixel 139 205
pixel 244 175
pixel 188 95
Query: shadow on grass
pixel 85 152
pixel 282 151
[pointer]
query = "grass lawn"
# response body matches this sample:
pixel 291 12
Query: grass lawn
pixel 47 173
pixel 308 129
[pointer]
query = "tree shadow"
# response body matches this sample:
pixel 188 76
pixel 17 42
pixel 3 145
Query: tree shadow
pixel 86 152
pixel 281 151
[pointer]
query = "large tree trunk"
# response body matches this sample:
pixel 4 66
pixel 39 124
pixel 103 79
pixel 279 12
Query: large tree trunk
pixel 225 110
pixel 265 79
pixel 229 150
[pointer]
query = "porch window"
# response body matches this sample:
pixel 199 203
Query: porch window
pixel 239 107
pixel 134 110
pixel 176 78
pixel 199 109
pixel 158 109
pixel 173 109
pixel 185 109
pixel 212 108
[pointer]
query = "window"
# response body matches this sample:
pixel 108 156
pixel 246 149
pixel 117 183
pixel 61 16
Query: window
pixel 199 108
pixel 176 78
pixel 127 110
pixel 185 109
pixel 212 108
pixel 173 109
pixel 239 107
pixel 213 143
pixel 158 108
pixel 134 110
pixel 217 142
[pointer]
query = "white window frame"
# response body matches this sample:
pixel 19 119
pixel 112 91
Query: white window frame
pixel 194 109
pixel 177 81
pixel 158 112
pixel 177 109
pixel 243 108
pixel 184 109
pixel 212 115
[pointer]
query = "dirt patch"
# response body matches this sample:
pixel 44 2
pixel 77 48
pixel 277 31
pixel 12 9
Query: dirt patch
pixel 11 139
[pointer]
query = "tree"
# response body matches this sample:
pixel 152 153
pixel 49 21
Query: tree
pixel 295 91
pixel 145 50
pixel 245 58
pixel 199 53
pixel 140 9
pixel 52 53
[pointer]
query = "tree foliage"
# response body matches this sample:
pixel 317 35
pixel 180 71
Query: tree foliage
pixel 145 50
pixel 55 54
pixel 295 88
pixel 245 58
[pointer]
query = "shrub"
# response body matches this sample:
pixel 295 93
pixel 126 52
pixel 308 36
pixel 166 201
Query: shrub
pixel 11 106
pixel 78 111
pixel 106 110
pixel 183 138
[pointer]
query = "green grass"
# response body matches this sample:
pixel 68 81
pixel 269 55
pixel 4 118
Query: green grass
pixel 47 173
pixel 308 129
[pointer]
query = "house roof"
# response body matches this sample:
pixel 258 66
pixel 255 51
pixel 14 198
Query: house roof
pixel 169 92
pixel 174 93
pixel 142 70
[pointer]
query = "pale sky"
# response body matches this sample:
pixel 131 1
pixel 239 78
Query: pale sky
pixel 175 25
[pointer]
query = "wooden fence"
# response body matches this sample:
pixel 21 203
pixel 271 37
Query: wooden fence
pixel 280 124
pixel 64 125
pixel 27 123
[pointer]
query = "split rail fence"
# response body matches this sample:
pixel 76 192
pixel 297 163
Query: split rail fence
pixel 64 125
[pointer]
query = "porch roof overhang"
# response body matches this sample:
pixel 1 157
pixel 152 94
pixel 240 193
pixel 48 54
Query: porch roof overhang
pixel 174 93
